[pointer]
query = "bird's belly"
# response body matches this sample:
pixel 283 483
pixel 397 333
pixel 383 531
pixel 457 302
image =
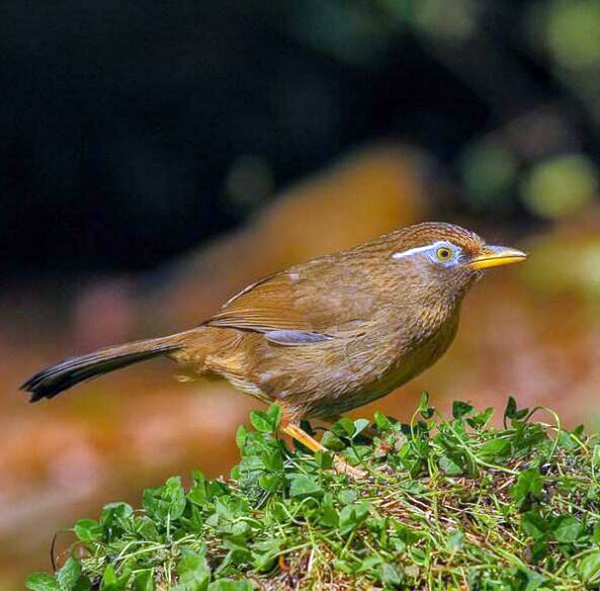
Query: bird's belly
pixel 319 381
pixel 357 391
pixel 322 385
pixel 347 376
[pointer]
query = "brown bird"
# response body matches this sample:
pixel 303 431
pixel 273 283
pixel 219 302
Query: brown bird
pixel 326 336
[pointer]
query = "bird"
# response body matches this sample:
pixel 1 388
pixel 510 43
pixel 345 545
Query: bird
pixel 325 336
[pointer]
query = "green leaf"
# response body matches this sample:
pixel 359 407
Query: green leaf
pixel 407 535
pixel 523 579
pixel 329 517
pixel 347 496
pixel 261 422
pixel 115 511
pixel 511 411
pixel 529 483
pixel 265 554
pixel 144 580
pixel 274 413
pixel 460 409
pixel 304 486
pixel 115 519
pixel 382 421
pixel 357 453
pixel 495 448
pixel 332 441
pixel 272 460
pixel 511 408
pixel 449 466
pixel 412 571
pixel 69 574
pixel 146 528
pixel 455 541
pixel 197 493
pixel 424 408
pixel 534 525
pixel 352 516
pixel 566 441
pixel 348 426
pixel 360 425
pixel 193 571
pixel 578 431
pixel 566 529
pixel 240 436
pixel 227 585
pixel 419 556
pixel 324 460
pixel 167 501
pixel 270 482
pixel 110 580
pixel 369 563
pixel 390 575
pixel 42 582
pixel 589 568
pixel 109 577
pixel 83 584
pixel 88 530
pixel 480 419
pixel 539 550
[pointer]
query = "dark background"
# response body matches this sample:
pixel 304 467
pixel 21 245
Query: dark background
pixel 157 157
pixel 121 121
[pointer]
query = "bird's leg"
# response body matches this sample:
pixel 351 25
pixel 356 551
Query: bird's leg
pixel 340 465
pixel 294 431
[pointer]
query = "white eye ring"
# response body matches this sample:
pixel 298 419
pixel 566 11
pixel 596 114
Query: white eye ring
pixel 438 252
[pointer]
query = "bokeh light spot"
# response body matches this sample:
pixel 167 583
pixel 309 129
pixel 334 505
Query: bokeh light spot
pixel 561 186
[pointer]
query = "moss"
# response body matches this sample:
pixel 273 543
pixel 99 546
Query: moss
pixel 448 503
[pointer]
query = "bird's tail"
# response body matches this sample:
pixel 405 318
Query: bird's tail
pixel 53 380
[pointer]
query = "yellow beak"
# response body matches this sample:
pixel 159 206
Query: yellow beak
pixel 495 256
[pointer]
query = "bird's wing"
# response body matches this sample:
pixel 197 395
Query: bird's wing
pixel 306 304
pixel 263 306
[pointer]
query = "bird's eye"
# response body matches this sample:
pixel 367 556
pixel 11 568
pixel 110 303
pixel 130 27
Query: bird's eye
pixel 444 254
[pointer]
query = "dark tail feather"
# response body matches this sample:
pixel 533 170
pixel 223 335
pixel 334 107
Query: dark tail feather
pixel 52 381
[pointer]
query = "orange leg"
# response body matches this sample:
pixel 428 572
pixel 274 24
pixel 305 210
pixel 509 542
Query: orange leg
pixel 340 465
pixel 303 437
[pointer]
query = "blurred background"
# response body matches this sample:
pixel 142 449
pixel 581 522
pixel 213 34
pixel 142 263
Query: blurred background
pixel 157 157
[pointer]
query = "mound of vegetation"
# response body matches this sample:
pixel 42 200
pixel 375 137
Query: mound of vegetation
pixel 446 503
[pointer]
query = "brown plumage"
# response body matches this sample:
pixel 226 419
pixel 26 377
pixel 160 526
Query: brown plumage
pixel 325 336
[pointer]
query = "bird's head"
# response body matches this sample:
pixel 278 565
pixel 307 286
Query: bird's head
pixel 439 258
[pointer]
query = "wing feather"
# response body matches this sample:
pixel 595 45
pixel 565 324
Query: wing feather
pixel 294 308
pixel 267 305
